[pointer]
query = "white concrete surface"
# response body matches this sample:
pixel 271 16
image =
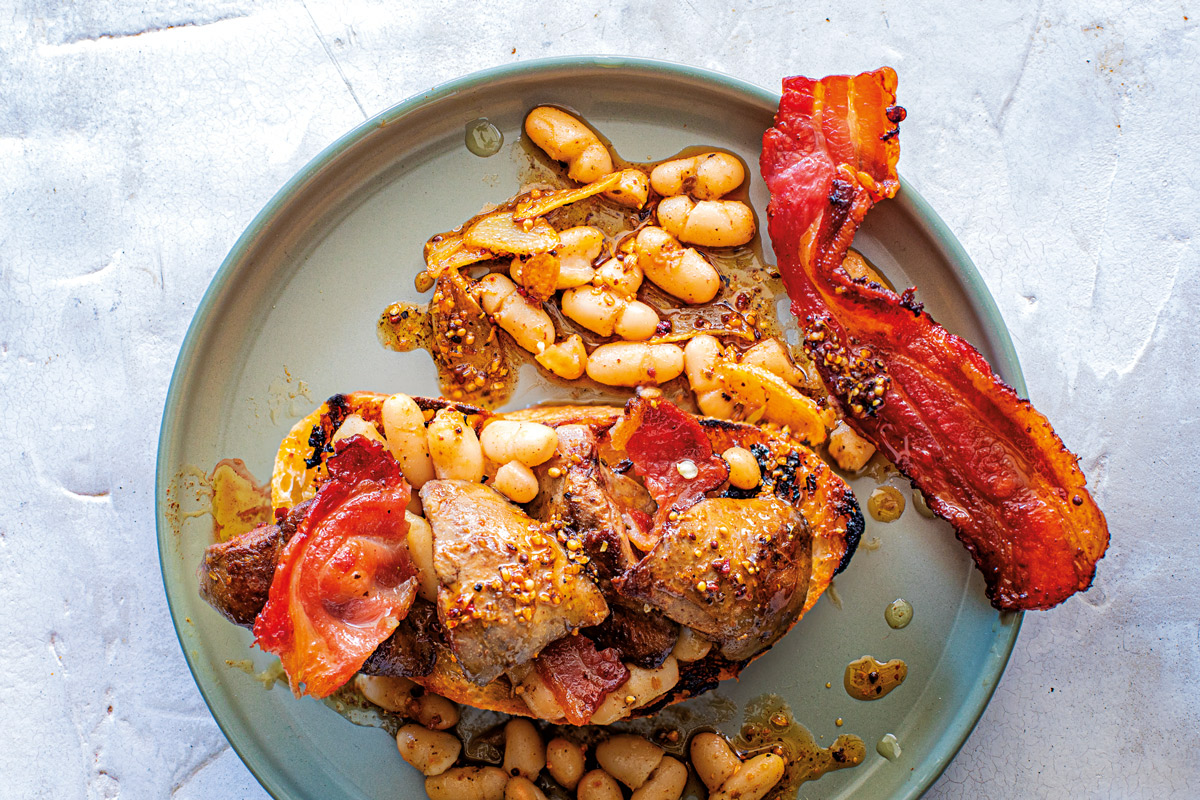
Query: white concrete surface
pixel 1058 139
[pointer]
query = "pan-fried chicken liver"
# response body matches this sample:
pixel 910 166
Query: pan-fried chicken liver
pixel 737 571
pixel 507 586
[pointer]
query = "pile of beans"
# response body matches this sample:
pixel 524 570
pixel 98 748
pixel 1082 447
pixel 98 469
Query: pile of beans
pixel 625 765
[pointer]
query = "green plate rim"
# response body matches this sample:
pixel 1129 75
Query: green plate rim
pixel 984 305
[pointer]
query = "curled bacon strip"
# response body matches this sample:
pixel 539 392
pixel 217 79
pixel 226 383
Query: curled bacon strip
pixel 344 580
pixel 579 675
pixel 985 459
pixel 665 444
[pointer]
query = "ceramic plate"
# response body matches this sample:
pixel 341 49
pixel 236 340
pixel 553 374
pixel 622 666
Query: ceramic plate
pixel 290 319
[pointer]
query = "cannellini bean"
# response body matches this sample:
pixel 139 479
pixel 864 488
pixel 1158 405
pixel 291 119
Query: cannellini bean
pixel 635 363
pixel 566 359
pixel 628 758
pixel 467 783
pixel 606 313
pixel 526 322
pixel 677 270
pixel 516 481
pixel 578 248
pixel 565 138
pixel 521 788
pixel 708 223
pixel 354 425
pixel 390 694
pixel 771 355
pixel 531 443
pixel 701 356
pixel 622 276
pixel 632 190
pixel 690 646
pixel 714 761
pixel 539 698
pixel 744 472
pixel 643 686
pixel 434 711
pixel 849 450
pixel 667 782
pixel 599 785
pixel 753 780
pixel 404 427
pixel 564 762
pixel 707 176
pixel 454 447
pixel 524 751
pixel 431 752
pixel 420 550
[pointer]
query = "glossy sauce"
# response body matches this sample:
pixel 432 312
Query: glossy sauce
pixel 806 760
pixel 869 679
pixel 239 502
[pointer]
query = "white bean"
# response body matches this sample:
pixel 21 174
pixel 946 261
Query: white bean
pixel 632 190
pixel 700 357
pixel 525 321
pixel 521 788
pixel 605 312
pixel 354 425
pixel 578 248
pixel 714 761
pixel 566 359
pixel 849 450
pixel 539 698
pixel 771 355
pixel 753 780
pixel 404 427
pixel 431 752
pixel 635 363
pixel 643 687
pixel 524 751
pixel 564 762
pixel 623 277
pixel 454 447
pixel 598 785
pixel 435 712
pixel 516 481
pixel 677 270
pixel 420 550
pixel 744 472
pixel 629 758
pixel 707 176
pixel 467 783
pixel 690 646
pixel 708 223
pixel 531 443
pixel 667 782
pixel 390 694
pixel 565 138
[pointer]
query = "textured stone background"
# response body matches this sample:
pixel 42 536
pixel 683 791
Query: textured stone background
pixel 138 139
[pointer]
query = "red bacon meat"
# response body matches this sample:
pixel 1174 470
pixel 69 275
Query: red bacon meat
pixel 985 459
pixel 344 580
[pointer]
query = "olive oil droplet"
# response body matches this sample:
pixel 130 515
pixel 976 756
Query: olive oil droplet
pixel 898 613
pixel 483 138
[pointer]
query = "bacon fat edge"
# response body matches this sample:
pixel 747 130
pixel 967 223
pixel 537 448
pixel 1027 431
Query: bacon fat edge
pixel 985 459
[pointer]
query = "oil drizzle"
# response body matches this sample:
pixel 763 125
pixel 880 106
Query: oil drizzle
pixel 239 502
pixel 806 760
pixel 869 679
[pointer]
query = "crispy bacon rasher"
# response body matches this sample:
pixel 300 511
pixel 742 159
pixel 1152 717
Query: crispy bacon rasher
pixel 579 675
pixel 344 580
pixel 985 459
pixel 662 442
